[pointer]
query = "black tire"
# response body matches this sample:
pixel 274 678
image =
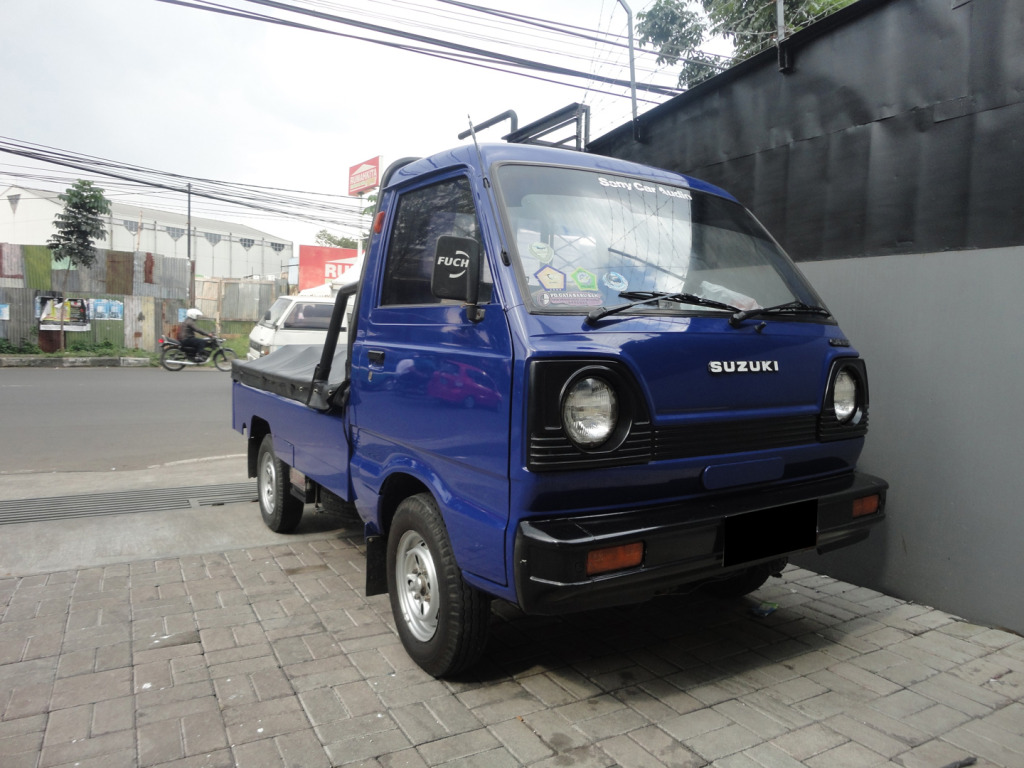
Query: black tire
pixel 222 358
pixel 173 358
pixel 442 621
pixel 281 511
pixel 743 582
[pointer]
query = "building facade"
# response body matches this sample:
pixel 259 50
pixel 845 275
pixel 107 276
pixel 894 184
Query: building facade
pixel 218 248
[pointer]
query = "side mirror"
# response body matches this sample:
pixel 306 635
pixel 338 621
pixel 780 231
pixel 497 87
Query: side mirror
pixel 266 315
pixel 457 272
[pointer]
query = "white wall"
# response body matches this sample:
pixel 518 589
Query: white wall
pixel 31 223
pixel 943 337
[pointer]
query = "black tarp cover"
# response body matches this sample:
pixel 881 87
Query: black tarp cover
pixel 288 371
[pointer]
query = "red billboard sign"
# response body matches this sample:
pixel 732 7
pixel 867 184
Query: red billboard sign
pixel 363 176
pixel 319 264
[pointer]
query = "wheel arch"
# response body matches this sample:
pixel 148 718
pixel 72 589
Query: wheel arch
pixel 396 488
pixel 258 429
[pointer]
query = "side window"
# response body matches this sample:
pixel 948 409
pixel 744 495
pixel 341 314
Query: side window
pixel 422 216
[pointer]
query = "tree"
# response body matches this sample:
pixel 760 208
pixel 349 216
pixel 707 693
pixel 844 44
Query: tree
pixel 77 226
pixel 677 31
pixel 323 237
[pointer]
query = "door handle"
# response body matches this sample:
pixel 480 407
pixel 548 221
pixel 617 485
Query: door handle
pixel 376 357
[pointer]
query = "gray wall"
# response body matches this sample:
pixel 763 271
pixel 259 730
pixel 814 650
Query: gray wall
pixel 941 333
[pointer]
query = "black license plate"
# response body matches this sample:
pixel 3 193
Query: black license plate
pixel 770 532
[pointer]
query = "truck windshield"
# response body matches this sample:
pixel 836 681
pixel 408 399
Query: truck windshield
pixel 581 238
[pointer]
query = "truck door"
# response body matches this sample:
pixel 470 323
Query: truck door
pixel 429 388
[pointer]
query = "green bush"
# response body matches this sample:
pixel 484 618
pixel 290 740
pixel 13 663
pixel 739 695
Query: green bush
pixel 25 348
pixel 105 347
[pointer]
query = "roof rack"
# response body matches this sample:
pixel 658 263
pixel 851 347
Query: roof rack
pixel 576 115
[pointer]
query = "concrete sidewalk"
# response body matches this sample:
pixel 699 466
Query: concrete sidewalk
pixel 267 653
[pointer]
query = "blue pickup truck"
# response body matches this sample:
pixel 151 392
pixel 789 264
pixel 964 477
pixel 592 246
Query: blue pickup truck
pixel 569 382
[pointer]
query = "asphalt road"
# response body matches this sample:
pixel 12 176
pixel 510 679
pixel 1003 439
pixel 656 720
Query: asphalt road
pixel 101 419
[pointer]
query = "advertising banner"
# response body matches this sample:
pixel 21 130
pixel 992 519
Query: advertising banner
pixel 75 311
pixel 364 176
pixel 320 264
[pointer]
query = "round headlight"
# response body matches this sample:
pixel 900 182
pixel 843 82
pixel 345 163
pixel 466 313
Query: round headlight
pixel 844 396
pixel 590 411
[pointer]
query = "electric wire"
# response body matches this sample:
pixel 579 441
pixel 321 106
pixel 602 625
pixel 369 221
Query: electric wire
pixel 334 210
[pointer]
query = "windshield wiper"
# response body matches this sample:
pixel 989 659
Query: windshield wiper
pixel 648 297
pixel 789 308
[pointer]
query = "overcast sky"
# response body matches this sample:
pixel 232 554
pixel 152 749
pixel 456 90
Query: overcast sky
pixel 206 95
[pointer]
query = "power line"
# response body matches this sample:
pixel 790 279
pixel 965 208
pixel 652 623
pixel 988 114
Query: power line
pixel 465 53
pixel 319 208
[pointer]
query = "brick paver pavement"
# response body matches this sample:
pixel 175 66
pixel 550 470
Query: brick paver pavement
pixel 273 657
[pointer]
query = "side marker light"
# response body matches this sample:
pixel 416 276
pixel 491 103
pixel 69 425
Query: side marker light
pixel 614 558
pixel 866 506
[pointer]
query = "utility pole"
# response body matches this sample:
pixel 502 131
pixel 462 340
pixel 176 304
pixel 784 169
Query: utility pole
pixel 785 63
pixel 632 70
pixel 191 266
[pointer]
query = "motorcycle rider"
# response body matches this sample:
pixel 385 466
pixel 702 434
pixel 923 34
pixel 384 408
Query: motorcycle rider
pixel 195 348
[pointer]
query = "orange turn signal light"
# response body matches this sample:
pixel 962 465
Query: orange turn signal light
pixel 614 558
pixel 378 223
pixel 866 506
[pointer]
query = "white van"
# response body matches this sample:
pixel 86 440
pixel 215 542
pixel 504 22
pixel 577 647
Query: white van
pixel 291 320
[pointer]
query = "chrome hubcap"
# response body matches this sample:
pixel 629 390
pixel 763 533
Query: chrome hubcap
pixel 268 480
pixel 416 576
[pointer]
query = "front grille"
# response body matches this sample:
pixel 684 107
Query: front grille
pixel 717 438
pixel 830 429
pixel 556 451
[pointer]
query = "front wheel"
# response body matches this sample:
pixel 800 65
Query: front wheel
pixel 222 358
pixel 441 620
pixel 173 358
pixel 281 511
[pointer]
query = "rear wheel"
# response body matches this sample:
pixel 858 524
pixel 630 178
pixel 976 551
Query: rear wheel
pixel 442 621
pixel 281 511
pixel 222 358
pixel 173 358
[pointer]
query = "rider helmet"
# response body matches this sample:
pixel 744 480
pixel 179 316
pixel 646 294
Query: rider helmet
pixel 194 313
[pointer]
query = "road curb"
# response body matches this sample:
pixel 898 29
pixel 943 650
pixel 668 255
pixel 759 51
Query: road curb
pixel 31 361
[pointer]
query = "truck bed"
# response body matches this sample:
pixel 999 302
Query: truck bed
pixel 288 372
pixel 271 394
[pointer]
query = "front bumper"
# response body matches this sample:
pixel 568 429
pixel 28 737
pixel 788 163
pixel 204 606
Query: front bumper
pixel 686 542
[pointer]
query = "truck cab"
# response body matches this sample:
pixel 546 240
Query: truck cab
pixel 570 382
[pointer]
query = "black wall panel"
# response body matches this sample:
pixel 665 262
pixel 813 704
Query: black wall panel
pixel 900 129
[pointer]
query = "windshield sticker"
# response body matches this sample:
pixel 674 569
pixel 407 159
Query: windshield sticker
pixel 615 282
pixel 569 299
pixel 585 279
pixel 551 278
pixel 645 187
pixel 542 252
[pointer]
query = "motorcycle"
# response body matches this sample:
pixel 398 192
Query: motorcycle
pixel 174 357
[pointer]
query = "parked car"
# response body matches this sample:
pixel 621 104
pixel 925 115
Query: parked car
pixel 291 320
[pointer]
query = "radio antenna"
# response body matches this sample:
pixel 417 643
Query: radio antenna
pixel 490 192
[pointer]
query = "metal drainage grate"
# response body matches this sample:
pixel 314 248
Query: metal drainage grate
pixel 124 502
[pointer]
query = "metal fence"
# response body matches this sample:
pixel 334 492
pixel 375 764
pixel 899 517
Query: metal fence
pixel 149 293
